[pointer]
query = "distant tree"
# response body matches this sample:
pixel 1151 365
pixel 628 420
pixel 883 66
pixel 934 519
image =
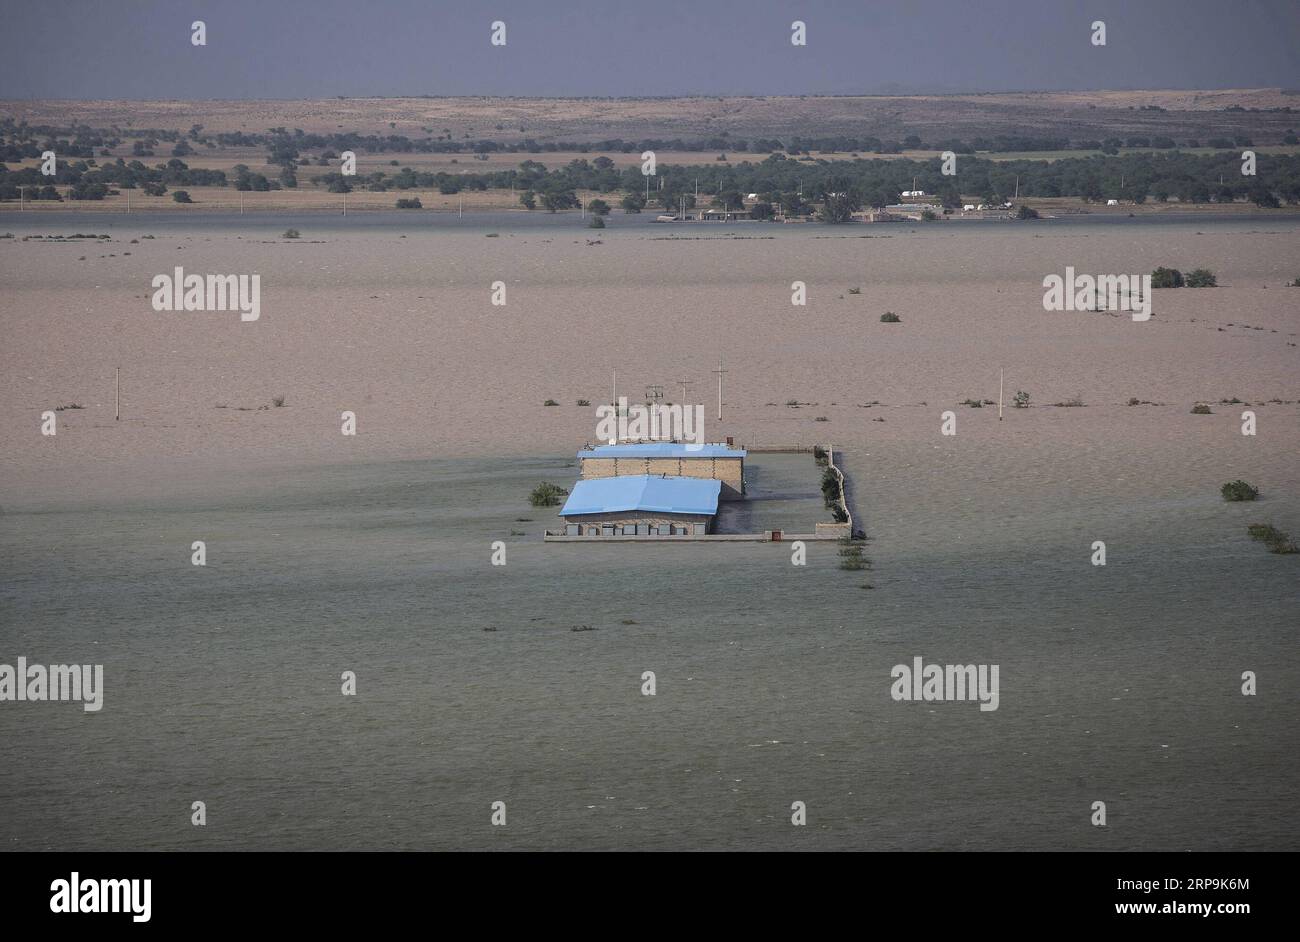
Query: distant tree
pixel 553 200
pixel 762 211
pixel 153 189
pixel 597 222
pixel 412 203
pixel 838 208
pixel 599 207
pixel 1262 196
pixel 529 199
pixel 632 203
pixel 1026 212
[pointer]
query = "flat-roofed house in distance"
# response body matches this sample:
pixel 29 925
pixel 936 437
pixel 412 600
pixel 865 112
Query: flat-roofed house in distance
pixel 715 461
pixel 641 505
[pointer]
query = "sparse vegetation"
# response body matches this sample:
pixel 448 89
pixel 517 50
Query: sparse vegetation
pixel 889 317
pixel 547 494
pixel 1201 278
pixel 550 402
pixel 1166 278
pixel 855 291
pixel 1276 540
pixel 1074 403
pixel 1202 409
pixel 1239 490
pixel 71 405
pixel 1020 400
pixel 584 402
pixel 412 203
pixel 597 222
pixel 1026 212
pixel 291 234
pixel 278 402
pixel 181 196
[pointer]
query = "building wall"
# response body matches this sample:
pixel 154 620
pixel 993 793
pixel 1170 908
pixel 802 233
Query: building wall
pixel 730 471
pixel 642 520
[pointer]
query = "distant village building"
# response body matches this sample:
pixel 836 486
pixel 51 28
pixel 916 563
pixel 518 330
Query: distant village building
pixel 718 462
pixel 910 193
pixel 725 215
pixel 641 505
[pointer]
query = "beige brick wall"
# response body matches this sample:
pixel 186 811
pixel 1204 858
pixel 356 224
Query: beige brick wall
pixel 730 471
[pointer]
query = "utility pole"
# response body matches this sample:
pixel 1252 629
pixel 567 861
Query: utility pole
pixel 117 393
pixel 241 202
pixel 614 393
pixel 685 383
pixel 21 207
pixel 1000 394
pixel 128 202
pixel 460 214
pixel 345 202
pixel 720 371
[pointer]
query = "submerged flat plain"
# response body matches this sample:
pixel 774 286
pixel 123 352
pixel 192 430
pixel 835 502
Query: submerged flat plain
pixel 327 553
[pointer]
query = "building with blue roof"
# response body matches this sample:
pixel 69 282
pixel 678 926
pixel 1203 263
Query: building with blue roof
pixel 711 461
pixel 641 505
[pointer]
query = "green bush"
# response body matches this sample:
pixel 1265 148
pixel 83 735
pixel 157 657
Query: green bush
pixel 1201 409
pixel 290 234
pixel 1276 540
pixel 889 317
pixel 412 203
pixel 1025 212
pixel 1201 278
pixel 1239 490
pixel 1020 400
pixel 1166 278
pixel 181 196
pixel 550 402
pixel 547 494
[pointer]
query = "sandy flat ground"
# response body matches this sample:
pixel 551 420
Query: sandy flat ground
pixel 397 326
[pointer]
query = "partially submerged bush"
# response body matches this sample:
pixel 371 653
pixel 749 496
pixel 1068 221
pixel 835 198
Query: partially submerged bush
pixel 1201 409
pixel 550 402
pixel 1239 490
pixel 547 494
pixel 290 234
pixel 889 317
pixel 1276 540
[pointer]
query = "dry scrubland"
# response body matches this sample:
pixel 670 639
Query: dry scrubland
pixel 1075 114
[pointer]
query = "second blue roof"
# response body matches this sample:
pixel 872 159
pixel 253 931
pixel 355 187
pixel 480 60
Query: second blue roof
pixel 643 492
pixel 663 450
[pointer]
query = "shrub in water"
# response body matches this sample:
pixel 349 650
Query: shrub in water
pixel 546 494
pixel 1238 490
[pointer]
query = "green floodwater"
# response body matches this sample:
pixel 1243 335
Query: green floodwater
pixel 222 683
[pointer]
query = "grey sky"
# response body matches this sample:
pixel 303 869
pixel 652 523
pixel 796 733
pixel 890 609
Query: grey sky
pixel 322 48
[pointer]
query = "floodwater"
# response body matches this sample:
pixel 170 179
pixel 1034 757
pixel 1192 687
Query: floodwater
pixel 372 554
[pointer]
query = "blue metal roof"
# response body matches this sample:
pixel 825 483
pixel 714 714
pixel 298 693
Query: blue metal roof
pixel 643 492
pixel 663 450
